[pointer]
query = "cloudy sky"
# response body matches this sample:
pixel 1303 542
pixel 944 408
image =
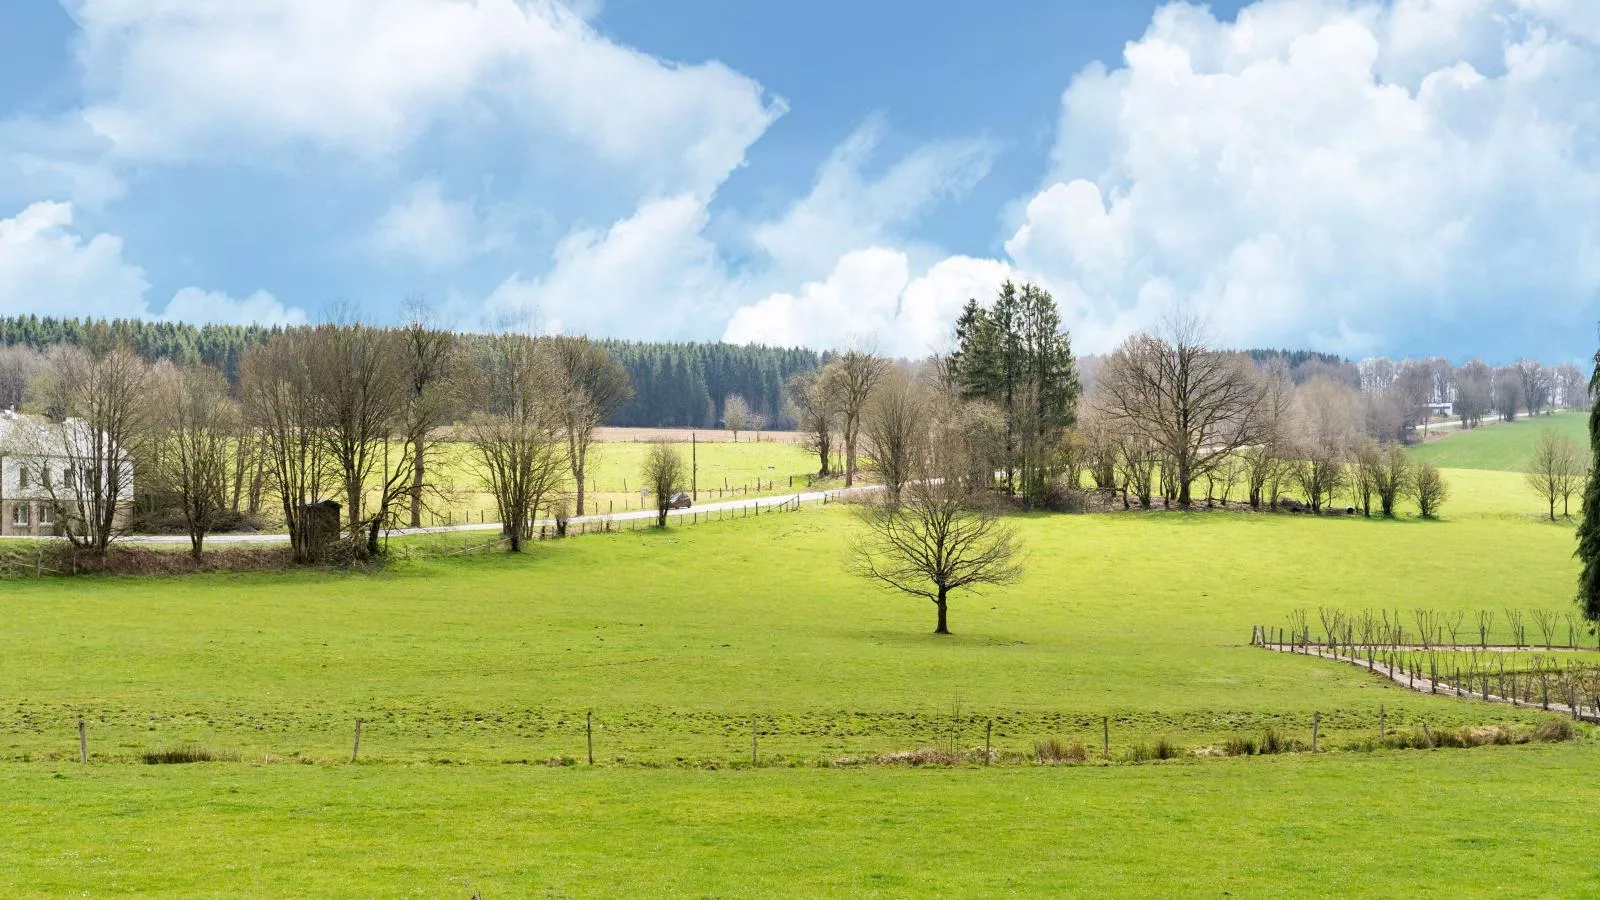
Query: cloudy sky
pixel 1414 176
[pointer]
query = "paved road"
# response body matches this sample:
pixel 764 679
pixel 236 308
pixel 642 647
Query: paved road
pixel 750 503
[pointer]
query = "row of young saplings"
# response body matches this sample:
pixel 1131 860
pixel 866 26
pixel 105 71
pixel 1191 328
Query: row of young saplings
pixel 1430 629
pixel 1484 675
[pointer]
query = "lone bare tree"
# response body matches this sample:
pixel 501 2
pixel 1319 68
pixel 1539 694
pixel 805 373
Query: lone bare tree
pixel 1195 404
pixel 738 415
pixel 663 474
pixel 196 429
pixel 937 540
pixel 1556 471
pixel 517 431
pixel 855 374
pixel 590 385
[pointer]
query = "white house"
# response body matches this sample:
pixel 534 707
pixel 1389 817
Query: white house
pixel 38 477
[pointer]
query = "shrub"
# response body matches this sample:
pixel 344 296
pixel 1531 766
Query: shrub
pixel 1165 749
pixel 1555 731
pixel 1239 746
pixel 179 756
pixel 1272 742
pixel 1052 750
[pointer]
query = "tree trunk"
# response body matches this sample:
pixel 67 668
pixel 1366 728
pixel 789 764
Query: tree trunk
pixel 577 472
pixel 417 473
pixel 944 608
pixel 372 537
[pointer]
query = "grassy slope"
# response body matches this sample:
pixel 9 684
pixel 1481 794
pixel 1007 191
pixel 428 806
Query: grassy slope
pixel 1501 446
pixel 1475 823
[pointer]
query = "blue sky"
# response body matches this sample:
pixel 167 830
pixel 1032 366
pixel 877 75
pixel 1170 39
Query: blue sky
pixel 1402 177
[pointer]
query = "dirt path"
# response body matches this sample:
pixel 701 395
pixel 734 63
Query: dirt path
pixel 1418 682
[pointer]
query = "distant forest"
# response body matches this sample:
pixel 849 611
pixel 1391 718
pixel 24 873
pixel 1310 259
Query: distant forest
pixel 680 385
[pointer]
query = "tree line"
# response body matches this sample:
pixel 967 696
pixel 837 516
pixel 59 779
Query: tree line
pixel 343 411
pixel 680 385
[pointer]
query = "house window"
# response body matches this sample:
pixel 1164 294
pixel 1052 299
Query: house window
pixel 44 476
pixel 19 515
pixel 47 515
pixel 23 477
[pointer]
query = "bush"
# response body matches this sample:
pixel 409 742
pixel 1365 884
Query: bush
pixel 1555 731
pixel 1052 750
pixel 1058 497
pixel 1239 746
pixel 180 756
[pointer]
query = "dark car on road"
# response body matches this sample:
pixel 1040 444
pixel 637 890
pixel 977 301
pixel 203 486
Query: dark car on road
pixel 680 500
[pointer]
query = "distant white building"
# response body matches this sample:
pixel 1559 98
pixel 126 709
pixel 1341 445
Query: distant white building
pixel 39 474
pixel 1442 409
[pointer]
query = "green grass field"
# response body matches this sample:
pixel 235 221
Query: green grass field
pixel 726 471
pixel 469 671
pixel 1501 446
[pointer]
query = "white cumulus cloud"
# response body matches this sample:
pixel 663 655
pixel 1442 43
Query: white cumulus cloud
pixel 49 269
pixel 1350 174
pixel 175 80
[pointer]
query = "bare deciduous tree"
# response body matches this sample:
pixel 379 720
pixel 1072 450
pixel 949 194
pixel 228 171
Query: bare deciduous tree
pixel 85 462
pixel 738 415
pixel 280 406
pixel 937 540
pixel 1428 488
pixel 517 433
pixel 196 430
pixel 895 427
pixel 816 414
pixel 590 386
pixel 19 366
pixel 1392 477
pixel 853 376
pixel 1556 471
pixel 1326 427
pixel 432 361
pixel 1195 404
pixel 361 387
pixel 663 474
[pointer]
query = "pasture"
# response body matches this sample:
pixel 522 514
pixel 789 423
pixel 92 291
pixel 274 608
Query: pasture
pixel 727 470
pixel 1501 446
pixel 474 676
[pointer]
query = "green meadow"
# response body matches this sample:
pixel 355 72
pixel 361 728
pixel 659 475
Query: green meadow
pixel 474 676
pixel 1502 446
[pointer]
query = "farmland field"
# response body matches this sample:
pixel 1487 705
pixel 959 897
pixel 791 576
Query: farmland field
pixel 1502 446
pixel 471 672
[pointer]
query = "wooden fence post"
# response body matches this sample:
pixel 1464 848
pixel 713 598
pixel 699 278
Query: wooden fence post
pixel 1105 736
pixel 753 750
pixel 1316 727
pixel 988 731
pixel 355 748
pixel 83 742
pixel 588 731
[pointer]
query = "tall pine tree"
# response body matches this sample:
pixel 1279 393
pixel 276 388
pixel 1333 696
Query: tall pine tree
pixel 1589 528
